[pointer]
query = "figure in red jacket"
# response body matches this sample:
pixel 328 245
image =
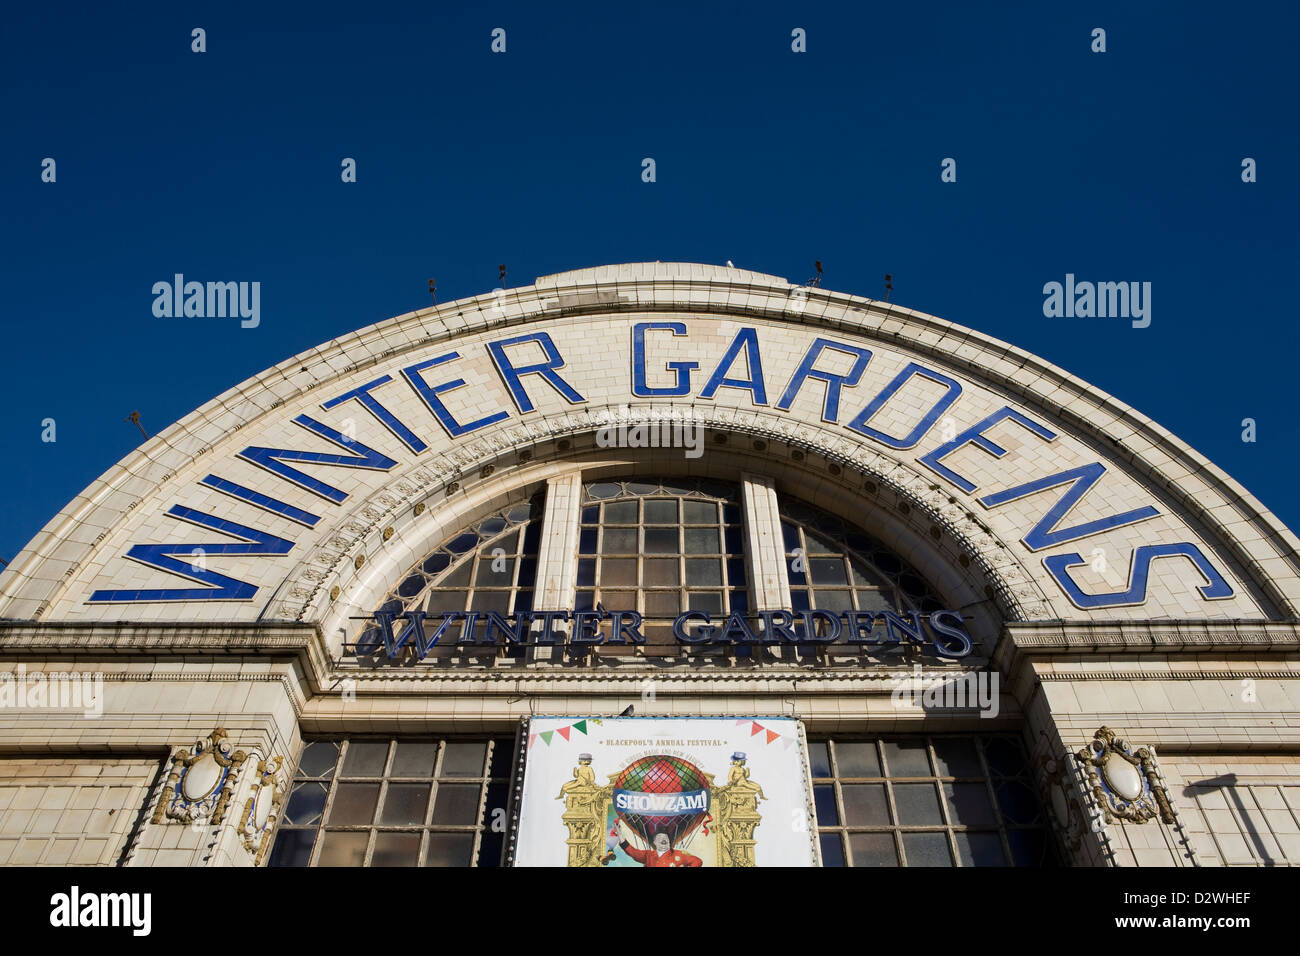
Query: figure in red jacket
pixel 662 852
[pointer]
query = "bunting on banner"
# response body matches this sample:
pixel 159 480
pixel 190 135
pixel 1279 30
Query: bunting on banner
pixel 771 735
pixel 580 726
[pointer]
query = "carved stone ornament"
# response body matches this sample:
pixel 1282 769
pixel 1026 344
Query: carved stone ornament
pixel 262 809
pixel 1126 783
pixel 201 781
pixel 1059 794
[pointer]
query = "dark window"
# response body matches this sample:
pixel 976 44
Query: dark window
pixel 917 801
pixel 374 802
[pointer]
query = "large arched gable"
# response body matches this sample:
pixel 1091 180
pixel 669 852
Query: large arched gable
pixel 304 492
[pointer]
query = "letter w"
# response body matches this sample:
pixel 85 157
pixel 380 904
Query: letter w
pixel 1044 534
pixel 222 588
pixel 273 459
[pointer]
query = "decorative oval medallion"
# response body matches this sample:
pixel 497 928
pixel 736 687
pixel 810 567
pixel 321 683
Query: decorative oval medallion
pixel 1060 806
pixel 201 778
pixel 262 808
pixel 1122 777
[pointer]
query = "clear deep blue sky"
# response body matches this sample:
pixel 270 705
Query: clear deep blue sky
pixel 225 165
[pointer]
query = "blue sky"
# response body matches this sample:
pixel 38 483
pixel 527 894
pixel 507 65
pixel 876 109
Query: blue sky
pixel 225 165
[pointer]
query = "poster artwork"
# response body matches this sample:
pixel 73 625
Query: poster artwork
pixel 670 792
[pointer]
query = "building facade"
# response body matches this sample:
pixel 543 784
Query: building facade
pixel 320 620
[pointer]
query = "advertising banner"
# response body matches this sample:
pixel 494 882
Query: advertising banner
pixel 663 792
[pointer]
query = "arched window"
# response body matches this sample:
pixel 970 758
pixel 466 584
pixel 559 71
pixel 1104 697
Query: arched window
pixel 838 567
pixel 835 566
pixel 661 547
pixel 489 566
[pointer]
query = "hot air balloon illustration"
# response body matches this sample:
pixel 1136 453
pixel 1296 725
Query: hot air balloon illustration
pixel 662 794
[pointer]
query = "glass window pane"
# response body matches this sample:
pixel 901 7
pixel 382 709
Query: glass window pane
pixel 873 849
pixel 1019 804
pixel 699 512
pixel 619 541
pixel 736 572
pixel 661 512
pixel 498 798
pixel 503 753
pixel 404 805
pixel 527 571
pixel 794 570
pixel 618 600
pixel 615 572
pixel 917 803
pixel 292 848
pixel 857 759
pixel 969 804
pixel 832 849
pixel 907 758
pixel 824 800
pixel 365 758
pixel 662 572
pixel 436 562
pixel 458 578
pixel 702 541
pixel 710 602
pixel 414 759
pixel 659 635
pixel 980 849
pixel 818 544
pixel 587 541
pixel 1004 756
pixel 927 849
pixel 834 601
pixel 456 803
pixel 343 848
pixel 306 803
pixel 791 535
pixel 412 586
pixel 865 804
pixel 491 526
pixel 703 572
pixel 828 571
pixel 462 543
pixel 440 602
pixel 875 601
pixel 586 572
pixel 956 757
pixel 661 541
pixel 861 575
pixel 621 512
pixel 449 849
pixel 354 803
pixel 662 603
pixel 463 759
pixel 495 572
pixel 490 846
pixel 733 541
pixel 819 757
pixel 396 849
pixel 498 601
